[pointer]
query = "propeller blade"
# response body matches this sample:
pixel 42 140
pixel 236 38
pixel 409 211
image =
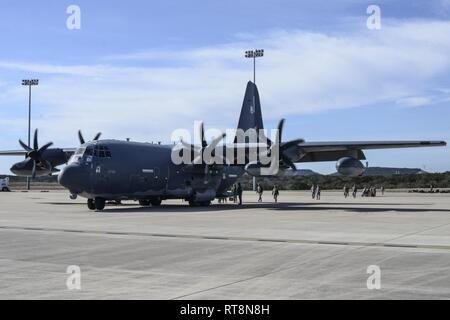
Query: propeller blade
pixel 287 145
pixel 191 147
pixel 288 161
pixel 202 135
pixel 97 136
pixel 280 130
pixel 27 148
pixel 80 137
pixel 216 141
pixel 209 149
pixel 35 140
pixel 33 171
pixel 44 147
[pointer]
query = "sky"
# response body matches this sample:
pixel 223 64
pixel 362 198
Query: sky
pixel 141 69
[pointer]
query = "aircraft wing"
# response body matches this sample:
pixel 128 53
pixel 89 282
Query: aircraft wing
pixel 68 151
pixel 334 150
pixel 366 145
pixel 13 153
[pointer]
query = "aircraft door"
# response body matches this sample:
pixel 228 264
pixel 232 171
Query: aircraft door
pixel 91 164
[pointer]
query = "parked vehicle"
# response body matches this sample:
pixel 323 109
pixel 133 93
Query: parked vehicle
pixel 4 184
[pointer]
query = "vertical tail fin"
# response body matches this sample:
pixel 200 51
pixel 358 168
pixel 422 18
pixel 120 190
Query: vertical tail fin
pixel 251 116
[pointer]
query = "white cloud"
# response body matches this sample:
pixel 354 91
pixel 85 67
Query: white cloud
pixel 414 101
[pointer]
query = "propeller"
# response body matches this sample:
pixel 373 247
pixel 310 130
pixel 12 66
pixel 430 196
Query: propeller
pixel 198 151
pixel 205 148
pixel 81 138
pixel 283 146
pixel 35 153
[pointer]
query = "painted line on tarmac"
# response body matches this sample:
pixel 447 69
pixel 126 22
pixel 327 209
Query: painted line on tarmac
pixel 400 245
pixel 270 240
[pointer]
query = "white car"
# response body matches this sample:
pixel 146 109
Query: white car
pixel 4 184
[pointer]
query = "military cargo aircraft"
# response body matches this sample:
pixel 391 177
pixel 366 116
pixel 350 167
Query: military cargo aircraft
pixel 101 170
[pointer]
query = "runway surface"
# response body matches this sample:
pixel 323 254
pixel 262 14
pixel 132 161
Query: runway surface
pixel 297 249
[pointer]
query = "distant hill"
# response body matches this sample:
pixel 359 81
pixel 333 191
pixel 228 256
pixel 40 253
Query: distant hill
pixel 301 173
pixel 384 171
pixel 390 178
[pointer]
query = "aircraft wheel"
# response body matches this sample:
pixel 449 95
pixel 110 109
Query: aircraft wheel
pixel 156 202
pixel 144 203
pixel 91 204
pixel 192 203
pixel 199 204
pixel 99 204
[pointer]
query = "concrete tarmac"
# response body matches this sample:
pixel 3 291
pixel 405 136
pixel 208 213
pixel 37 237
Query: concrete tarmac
pixel 299 248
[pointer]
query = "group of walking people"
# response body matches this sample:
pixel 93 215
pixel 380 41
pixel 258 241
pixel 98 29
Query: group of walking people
pixel 236 191
pixel 260 191
pixel 368 191
pixel 347 191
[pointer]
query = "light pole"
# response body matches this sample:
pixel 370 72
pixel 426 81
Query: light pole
pixel 254 54
pixel 29 83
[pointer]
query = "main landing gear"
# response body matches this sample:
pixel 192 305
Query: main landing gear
pixel 154 202
pixel 193 203
pixel 96 204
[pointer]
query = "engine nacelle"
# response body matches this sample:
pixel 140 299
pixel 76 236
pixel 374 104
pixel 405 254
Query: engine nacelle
pixel 350 167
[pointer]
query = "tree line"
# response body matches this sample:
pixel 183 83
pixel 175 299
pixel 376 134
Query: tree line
pixel 401 181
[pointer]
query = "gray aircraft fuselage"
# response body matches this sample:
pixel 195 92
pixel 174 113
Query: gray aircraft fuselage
pixel 132 170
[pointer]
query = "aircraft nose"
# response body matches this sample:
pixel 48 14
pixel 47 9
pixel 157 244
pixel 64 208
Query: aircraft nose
pixel 72 177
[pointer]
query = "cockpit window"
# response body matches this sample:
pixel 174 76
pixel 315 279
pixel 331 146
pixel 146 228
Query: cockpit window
pixel 93 151
pixel 102 151
pixel 89 151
